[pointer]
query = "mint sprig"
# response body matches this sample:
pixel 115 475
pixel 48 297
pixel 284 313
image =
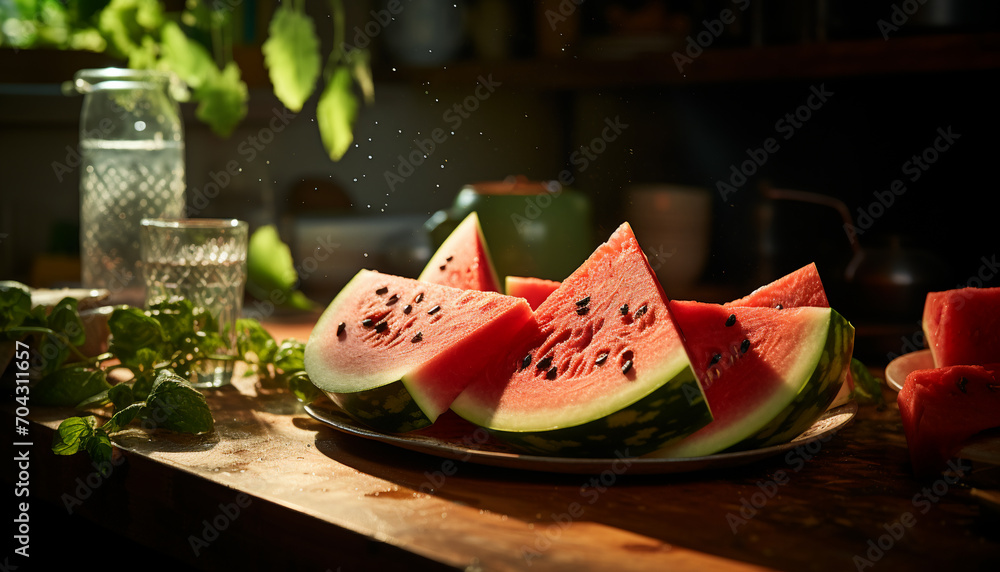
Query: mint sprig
pixel 159 347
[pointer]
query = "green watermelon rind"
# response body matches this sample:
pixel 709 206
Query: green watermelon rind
pixel 812 366
pixel 365 398
pixel 670 412
pixel 672 363
pixel 816 395
pixel 389 408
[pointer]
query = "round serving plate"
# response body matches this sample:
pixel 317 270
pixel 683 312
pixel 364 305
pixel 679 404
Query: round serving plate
pixel 454 438
pixel 899 368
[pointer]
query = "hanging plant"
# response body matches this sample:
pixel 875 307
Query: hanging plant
pixel 196 44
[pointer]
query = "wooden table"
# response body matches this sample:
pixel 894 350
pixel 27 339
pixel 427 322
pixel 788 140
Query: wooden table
pixel 273 489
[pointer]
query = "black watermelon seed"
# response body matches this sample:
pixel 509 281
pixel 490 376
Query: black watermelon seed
pixel 623 309
pixel 544 363
pixel 381 327
pixel 627 366
pixel 382 290
pixel 583 301
pixel 601 358
pixel 526 361
pixel 341 328
pixel 449 259
pixel 961 384
pixel 443 266
pixel 642 310
pixel 419 298
pixel 434 310
pixel 367 322
pixel 779 307
pixel 715 359
pixel 731 320
pixel 582 310
pixel 407 309
pixel 392 300
pixel 744 346
pixel 417 337
pixel 551 374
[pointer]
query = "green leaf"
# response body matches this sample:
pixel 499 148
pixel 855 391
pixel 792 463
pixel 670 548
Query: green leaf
pixel 143 383
pixel 360 64
pixel 190 60
pixel 301 387
pixel 270 260
pixel 126 24
pixel 290 355
pixel 252 338
pixel 222 100
pixel 336 111
pixel 144 55
pixel 173 404
pixel 132 331
pixel 121 396
pixel 89 40
pixel 291 54
pixel 98 446
pixel 96 400
pixel 54 350
pixel 65 319
pixel 123 417
pixel 71 433
pixel 70 386
pixel 867 388
pixel 176 318
pixel 15 304
pixel 212 343
pixel 271 273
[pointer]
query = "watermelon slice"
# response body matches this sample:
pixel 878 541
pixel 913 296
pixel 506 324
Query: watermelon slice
pixel 463 260
pixel 802 287
pixel 962 326
pixel 394 352
pixel 600 371
pixel 534 290
pixel 767 373
pixel 943 407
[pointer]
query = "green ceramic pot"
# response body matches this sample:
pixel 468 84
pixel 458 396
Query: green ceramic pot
pixel 533 228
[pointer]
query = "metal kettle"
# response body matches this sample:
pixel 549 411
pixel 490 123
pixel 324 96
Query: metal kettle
pixel 886 280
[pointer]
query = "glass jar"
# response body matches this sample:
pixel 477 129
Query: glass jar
pixel 132 149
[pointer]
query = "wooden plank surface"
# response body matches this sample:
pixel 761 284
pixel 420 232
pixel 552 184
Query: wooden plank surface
pixel 274 489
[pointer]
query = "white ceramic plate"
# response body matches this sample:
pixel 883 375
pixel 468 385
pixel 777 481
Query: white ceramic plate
pixel 899 368
pixel 453 440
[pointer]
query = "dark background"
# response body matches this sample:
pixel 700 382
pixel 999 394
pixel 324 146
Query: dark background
pixel 890 97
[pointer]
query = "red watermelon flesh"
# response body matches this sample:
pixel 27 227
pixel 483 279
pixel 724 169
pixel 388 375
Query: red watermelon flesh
pixel 534 290
pixel 600 370
pixel 962 326
pixel 766 372
pixel 463 260
pixel 802 287
pixel 941 408
pixel 383 330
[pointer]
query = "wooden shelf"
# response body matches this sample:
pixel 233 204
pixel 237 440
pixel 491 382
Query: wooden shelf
pixel 920 54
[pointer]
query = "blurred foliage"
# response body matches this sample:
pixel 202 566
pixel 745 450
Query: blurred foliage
pixel 194 40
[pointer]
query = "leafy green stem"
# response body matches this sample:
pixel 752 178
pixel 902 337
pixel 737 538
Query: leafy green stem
pixel 65 341
pixel 337 10
pixel 92 361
